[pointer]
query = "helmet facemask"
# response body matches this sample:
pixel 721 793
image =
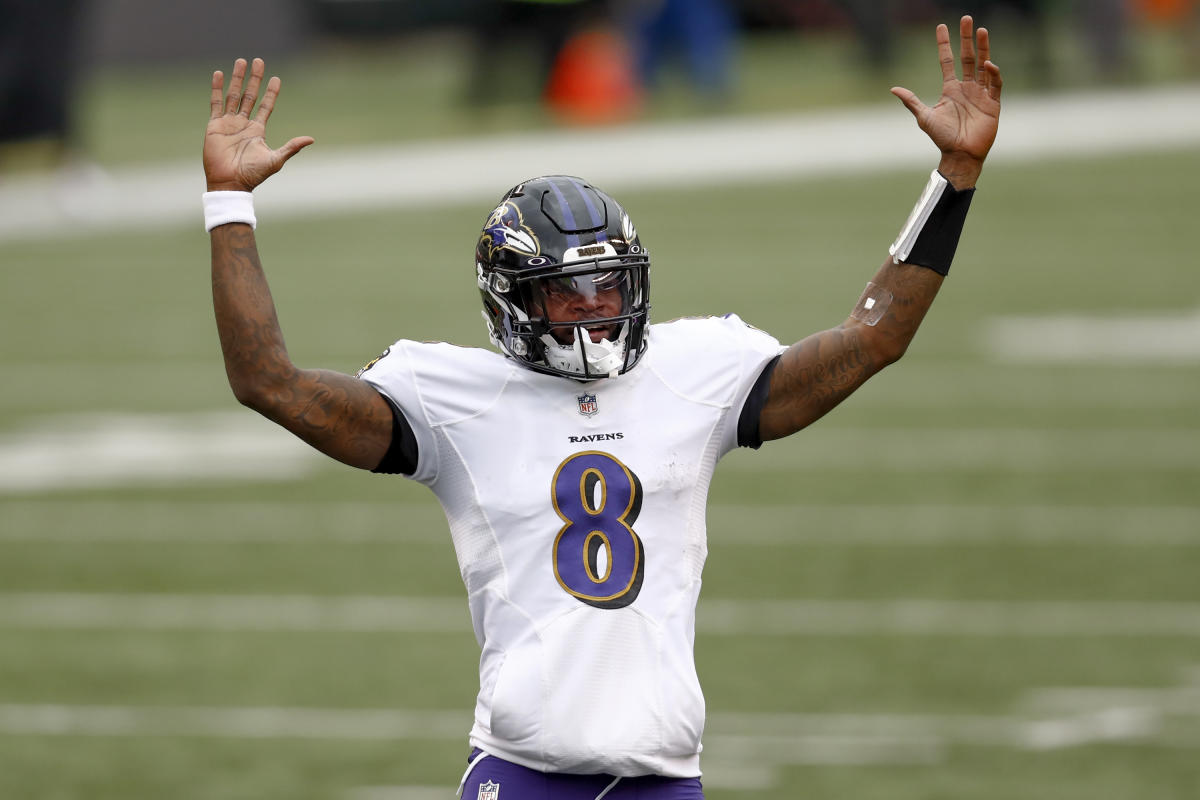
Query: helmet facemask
pixel 559 298
pixel 582 320
pixel 588 314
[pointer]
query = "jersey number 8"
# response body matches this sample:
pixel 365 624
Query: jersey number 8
pixel 598 558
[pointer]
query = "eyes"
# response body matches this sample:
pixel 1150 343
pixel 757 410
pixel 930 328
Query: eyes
pixel 587 285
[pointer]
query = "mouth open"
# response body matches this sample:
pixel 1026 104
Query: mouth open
pixel 595 333
pixel 599 332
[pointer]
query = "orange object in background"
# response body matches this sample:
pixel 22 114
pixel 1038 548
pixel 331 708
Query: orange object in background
pixel 593 81
pixel 1165 10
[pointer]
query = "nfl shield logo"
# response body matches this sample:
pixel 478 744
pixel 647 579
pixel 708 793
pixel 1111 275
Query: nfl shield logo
pixel 587 404
pixel 489 791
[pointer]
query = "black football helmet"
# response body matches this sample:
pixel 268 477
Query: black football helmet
pixel 565 280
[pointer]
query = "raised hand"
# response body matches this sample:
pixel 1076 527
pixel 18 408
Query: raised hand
pixel 963 123
pixel 236 155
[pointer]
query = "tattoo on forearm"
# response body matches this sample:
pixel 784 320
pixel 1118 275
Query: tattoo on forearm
pixel 822 370
pixel 337 414
pixel 246 321
pixel 913 290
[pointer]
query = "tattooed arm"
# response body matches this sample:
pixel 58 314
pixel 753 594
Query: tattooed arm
pixel 822 370
pixel 339 415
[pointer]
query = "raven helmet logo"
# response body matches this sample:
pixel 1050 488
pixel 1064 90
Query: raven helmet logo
pixel 489 791
pixel 506 230
pixel 587 404
pixel 627 229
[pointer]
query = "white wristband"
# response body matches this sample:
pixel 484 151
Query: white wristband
pixel 221 208
pixel 902 247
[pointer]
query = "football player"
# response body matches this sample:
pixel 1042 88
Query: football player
pixel 578 520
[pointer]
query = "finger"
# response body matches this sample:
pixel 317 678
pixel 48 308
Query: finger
pixel 910 100
pixel 995 82
pixel 984 43
pixel 235 86
pixel 215 99
pixel 256 74
pixel 292 147
pixel 945 55
pixel 268 102
pixel 967 48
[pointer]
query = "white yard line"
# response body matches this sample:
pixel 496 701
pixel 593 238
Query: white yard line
pixel 784 618
pixel 947 618
pixel 242 723
pixel 679 154
pixel 84 521
pixel 108 450
pixel 310 613
pixel 742 750
pixel 1164 338
pixel 979 384
pixel 1020 450
pixel 69 452
pixel 921 525
pixel 779 738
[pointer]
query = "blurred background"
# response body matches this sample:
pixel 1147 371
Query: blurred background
pixel 78 75
pixel 975 579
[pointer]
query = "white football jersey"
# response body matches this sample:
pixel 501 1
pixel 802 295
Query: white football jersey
pixel 577 512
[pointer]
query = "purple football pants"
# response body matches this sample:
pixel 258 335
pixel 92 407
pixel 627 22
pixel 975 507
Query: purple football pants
pixel 496 779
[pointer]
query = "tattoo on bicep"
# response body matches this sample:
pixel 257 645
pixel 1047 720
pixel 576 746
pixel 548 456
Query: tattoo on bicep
pixel 319 413
pixel 820 371
pixel 331 415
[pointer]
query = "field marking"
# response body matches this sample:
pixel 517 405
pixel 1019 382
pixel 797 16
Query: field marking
pixel 920 525
pixel 1163 338
pixel 1022 450
pixel 85 521
pixel 78 451
pixel 771 147
pixel 240 723
pixel 946 618
pixel 977 384
pixel 67 452
pixel 783 618
pixel 742 750
pixel 307 613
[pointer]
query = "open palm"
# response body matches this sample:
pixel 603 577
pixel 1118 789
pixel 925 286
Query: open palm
pixel 965 119
pixel 236 155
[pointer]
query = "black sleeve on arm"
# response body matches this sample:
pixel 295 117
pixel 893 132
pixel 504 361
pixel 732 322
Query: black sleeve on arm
pixel 747 430
pixel 401 457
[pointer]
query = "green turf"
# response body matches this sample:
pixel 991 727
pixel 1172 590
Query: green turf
pixel 1037 483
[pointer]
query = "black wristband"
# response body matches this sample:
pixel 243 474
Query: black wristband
pixel 936 239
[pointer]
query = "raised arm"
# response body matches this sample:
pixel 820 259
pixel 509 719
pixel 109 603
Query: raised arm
pixel 341 416
pixel 820 371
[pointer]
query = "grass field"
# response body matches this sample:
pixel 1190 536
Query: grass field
pixel 976 580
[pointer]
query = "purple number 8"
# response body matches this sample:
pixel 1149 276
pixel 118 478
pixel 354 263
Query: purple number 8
pixel 598 558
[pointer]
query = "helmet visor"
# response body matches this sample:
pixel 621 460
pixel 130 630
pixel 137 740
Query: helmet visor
pixel 598 301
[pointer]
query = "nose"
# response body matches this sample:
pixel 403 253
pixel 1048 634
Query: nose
pixel 605 303
pixel 588 304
